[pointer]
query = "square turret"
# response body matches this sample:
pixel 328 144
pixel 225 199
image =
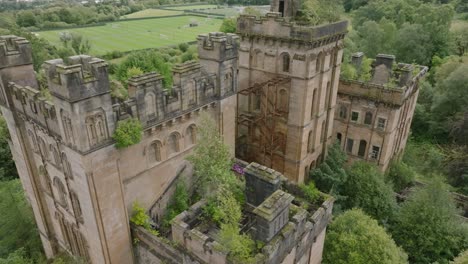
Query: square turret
pixel 79 78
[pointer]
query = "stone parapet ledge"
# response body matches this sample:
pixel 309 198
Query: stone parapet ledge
pixel 14 51
pixel 275 26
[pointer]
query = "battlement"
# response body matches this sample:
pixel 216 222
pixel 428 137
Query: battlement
pixel 217 46
pixel 78 78
pixel 14 51
pixel 276 27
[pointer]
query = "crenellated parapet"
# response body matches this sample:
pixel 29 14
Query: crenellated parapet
pixel 217 46
pixel 14 51
pixel 153 103
pixel 78 78
pixel 274 27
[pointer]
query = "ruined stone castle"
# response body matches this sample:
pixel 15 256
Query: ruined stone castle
pixel 272 90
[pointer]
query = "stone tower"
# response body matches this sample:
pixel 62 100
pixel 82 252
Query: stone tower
pixel 288 81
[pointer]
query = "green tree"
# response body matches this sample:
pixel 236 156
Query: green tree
pixel 211 160
pixel 127 133
pixel 317 12
pixel 365 188
pixel 17 226
pixel 427 226
pixel 355 238
pixel 7 168
pixel 414 44
pixel 229 25
pixel 330 174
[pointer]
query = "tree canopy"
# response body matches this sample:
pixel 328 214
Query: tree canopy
pixel 355 238
pixel 427 226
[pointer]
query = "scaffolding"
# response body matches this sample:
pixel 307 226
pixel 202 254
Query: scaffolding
pixel 269 109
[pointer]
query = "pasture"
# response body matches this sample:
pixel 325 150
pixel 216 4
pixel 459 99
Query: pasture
pixel 153 13
pixel 191 7
pixel 138 34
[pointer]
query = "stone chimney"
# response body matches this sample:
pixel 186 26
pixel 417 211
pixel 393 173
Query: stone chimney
pixel 385 59
pixel 272 215
pixel 356 59
pixel 261 182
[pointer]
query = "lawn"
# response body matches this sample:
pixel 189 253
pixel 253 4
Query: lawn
pixel 192 7
pixel 139 34
pixel 153 13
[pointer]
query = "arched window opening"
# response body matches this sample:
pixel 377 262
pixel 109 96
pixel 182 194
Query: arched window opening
pixel 286 62
pixel 62 196
pixel 362 148
pixel 100 128
pixel 76 206
pixel 368 118
pixel 343 112
pixel 91 130
pixel 43 149
pixel 314 99
pixel 190 135
pixel 150 105
pixel 310 145
pixel 338 137
pixel 155 151
pixel 55 153
pixel 173 143
pixel 322 136
pixel 228 81
pixel 318 63
pixel 66 166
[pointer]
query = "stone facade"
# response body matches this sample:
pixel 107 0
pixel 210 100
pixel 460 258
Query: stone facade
pixel 80 186
pixel 288 81
pixel 373 119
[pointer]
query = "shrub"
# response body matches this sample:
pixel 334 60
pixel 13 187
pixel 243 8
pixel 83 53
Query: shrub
pixel 179 203
pixel 140 218
pixel 240 246
pixel 310 191
pixel 127 133
pixel 183 47
pixel 400 175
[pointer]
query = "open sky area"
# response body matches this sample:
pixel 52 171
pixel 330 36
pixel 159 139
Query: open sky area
pixel 139 34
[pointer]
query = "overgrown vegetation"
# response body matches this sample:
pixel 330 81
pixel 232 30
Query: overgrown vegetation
pixel 179 202
pixel 355 238
pixel 127 133
pixel 8 168
pixel 140 218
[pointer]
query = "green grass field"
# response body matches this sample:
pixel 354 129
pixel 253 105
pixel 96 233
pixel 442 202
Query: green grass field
pixel 192 7
pixel 153 13
pixel 139 34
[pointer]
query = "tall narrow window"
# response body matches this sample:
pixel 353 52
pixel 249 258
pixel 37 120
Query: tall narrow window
pixel 368 118
pixel 349 145
pixel 66 166
pixel 338 137
pixel 45 180
pixel 55 153
pixel 76 206
pixel 310 145
pixel 343 112
pixel 101 131
pixel 43 149
pixel 314 103
pixel 173 143
pixel 322 135
pixel 150 105
pixel 362 148
pixel 33 140
pixel 375 152
pixel 62 196
pixel 286 62
pixel 155 151
pixel 190 135
pixel 354 116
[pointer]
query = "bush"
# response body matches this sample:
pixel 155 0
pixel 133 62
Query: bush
pixel 127 133
pixel 310 191
pixel 400 175
pixel 240 246
pixel 179 203
pixel 183 47
pixel 140 218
